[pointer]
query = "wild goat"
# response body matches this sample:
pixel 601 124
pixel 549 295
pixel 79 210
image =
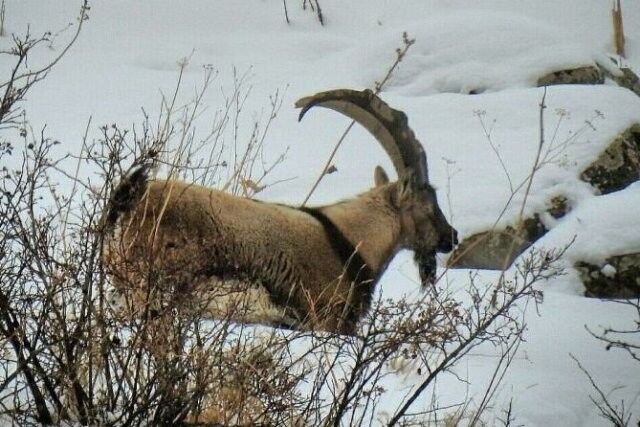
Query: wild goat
pixel 303 268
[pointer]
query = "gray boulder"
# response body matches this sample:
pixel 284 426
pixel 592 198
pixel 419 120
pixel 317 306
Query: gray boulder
pixel 619 277
pixel 618 165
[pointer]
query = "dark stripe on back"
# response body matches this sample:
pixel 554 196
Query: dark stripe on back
pixel 357 270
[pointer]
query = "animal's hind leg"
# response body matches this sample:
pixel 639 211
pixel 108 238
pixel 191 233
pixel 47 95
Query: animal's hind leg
pixel 239 301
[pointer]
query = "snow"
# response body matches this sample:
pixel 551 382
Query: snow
pixel 580 121
pixel 609 271
pixel 514 53
pixel 603 226
pixel 127 56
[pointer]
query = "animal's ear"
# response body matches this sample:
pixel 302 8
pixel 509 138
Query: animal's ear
pixel 380 177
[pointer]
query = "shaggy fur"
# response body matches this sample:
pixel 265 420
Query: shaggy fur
pixel 254 261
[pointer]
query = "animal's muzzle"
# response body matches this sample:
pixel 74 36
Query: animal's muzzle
pixel 448 241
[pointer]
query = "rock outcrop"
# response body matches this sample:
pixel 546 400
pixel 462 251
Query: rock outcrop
pixel 618 278
pixel 581 75
pixel 614 169
pixel 496 249
pixel 618 165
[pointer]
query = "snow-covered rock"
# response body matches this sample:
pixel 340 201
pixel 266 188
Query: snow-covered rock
pixel 618 278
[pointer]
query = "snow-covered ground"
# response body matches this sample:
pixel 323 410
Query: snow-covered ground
pixel 127 55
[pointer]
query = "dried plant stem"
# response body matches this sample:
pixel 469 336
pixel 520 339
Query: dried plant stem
pixel 328 163
pixel 617 416
pixel 319 12
pixel 286 12
pixel 2 15
pixel 314 6
pixel 618 29
pixel 534 169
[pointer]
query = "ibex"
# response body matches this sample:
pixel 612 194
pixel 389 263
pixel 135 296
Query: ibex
pixel 297 267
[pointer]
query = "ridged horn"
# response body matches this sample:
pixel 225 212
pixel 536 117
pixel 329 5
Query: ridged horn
pixel 390 127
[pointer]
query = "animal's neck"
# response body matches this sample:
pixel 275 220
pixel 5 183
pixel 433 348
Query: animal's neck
pixel 370 224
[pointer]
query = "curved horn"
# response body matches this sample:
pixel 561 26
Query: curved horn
pixel 390 127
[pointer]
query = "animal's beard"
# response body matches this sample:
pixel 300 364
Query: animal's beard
pixel 427 266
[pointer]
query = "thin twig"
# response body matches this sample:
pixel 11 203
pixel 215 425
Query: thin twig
pixel 286 12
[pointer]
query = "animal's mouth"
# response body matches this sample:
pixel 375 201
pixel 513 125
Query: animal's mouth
pixel 427 266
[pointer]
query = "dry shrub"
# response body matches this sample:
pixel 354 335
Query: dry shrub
pixel 68 355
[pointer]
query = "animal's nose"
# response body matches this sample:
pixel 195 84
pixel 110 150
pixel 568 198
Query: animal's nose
pixel 448 241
